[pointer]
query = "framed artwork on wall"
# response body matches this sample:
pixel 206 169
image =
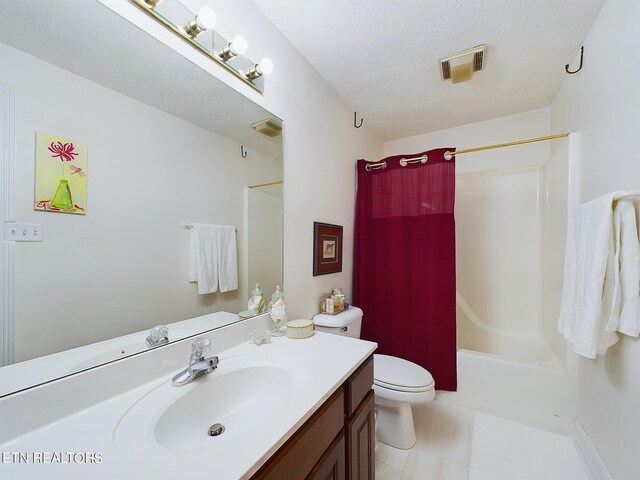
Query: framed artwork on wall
pixel 327 248
pixel 61 175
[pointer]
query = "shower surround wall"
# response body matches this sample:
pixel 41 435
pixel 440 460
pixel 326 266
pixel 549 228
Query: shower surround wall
pixel 511 361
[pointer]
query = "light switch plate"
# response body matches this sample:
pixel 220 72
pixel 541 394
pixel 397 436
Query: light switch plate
pixel 23 232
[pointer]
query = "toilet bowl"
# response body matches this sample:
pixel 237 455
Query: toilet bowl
pixel 398 384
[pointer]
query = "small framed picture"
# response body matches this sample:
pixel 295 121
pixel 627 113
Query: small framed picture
pixel 327 248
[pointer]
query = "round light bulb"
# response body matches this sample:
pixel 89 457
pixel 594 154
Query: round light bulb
pixel 206 18
pixel 238 45
pixel 265 67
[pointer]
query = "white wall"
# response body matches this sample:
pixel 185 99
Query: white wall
pixel 122 266
pixel 602 102
pixel 320 143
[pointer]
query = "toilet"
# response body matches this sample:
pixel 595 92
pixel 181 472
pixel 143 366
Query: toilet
pixel 398 384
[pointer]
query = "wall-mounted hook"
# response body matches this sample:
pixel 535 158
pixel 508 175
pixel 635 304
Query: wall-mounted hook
pixel 243 152
pixel 566 67
pixel 355 120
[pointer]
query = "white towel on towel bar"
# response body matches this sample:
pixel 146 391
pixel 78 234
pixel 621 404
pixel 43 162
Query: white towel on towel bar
pixel 213 258
pixel 626 227
pixel 589 243
pixel 227 259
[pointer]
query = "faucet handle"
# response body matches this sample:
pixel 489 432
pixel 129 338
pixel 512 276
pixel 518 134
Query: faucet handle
pixel 158 333
pixel 200 347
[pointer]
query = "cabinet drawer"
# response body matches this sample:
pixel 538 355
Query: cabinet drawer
pixel 296 458
pixel 359 384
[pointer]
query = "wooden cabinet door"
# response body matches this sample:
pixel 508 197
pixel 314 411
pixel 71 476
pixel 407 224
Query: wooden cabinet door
pixel 332 465
pixel 361 441
pixel 299 455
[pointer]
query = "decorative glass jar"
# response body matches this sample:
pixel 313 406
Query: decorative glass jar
pixel 278 311
pixel 257 302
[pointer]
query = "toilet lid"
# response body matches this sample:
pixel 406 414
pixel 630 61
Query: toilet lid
pixel 398 374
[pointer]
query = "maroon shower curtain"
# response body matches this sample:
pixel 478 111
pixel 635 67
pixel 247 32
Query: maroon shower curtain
pixel 404 275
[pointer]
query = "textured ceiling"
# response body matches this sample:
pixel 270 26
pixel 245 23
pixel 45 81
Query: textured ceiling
pixel 382 56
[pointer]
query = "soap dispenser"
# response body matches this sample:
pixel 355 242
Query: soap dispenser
pixel 278 311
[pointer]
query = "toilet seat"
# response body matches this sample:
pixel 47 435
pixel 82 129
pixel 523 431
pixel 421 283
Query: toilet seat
pixel 401 375
pixel 400 388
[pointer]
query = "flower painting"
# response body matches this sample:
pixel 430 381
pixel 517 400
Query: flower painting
pixel 61 175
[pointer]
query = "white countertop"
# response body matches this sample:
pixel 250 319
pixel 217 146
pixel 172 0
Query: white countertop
pixel 326 360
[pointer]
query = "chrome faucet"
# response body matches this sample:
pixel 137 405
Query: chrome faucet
pixel 198 364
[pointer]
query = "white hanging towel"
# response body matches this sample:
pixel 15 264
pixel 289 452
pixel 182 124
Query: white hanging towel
pixel 203 257
pixel 629 263
pixel 213 258
pixel 227 258
pixel 589 244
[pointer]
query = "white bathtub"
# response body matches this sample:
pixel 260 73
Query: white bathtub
pixel 513 376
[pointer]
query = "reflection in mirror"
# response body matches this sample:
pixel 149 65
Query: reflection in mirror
pixel 264 238
pixel 163 144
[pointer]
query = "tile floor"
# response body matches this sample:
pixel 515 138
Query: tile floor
pixel 455 443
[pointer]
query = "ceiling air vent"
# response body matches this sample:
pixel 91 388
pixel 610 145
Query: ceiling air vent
pixel 268 127
pixel 460 66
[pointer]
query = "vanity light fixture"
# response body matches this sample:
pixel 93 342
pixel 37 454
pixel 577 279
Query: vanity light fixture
pixel 242 67
pixel 237 46
pixel 264 67
pixel 204 20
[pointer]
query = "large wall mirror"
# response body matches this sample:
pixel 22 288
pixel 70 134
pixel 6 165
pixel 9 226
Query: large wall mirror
pixel 168 145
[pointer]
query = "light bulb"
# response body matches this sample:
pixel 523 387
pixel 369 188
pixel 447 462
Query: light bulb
pixel 264 67
pixel 238 45
pixel 206 18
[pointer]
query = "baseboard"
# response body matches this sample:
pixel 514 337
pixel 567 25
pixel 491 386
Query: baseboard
pixel 593 465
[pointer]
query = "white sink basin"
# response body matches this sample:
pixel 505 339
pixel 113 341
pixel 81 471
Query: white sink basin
pixel 242 393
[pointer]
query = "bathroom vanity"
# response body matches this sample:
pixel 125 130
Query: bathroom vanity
pixel 337 442
pixel 290 408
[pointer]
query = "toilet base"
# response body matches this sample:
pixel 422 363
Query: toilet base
pixel 394 426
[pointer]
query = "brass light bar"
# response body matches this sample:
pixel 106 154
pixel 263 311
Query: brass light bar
pixel 141 4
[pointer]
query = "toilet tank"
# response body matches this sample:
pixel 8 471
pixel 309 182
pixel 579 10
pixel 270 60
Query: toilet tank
pixel 345 323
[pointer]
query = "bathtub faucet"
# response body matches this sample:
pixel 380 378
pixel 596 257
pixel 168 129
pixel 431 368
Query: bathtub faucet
pixel 198 364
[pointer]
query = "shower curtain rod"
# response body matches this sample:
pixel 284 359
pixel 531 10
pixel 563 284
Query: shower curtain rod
pixel 449 155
